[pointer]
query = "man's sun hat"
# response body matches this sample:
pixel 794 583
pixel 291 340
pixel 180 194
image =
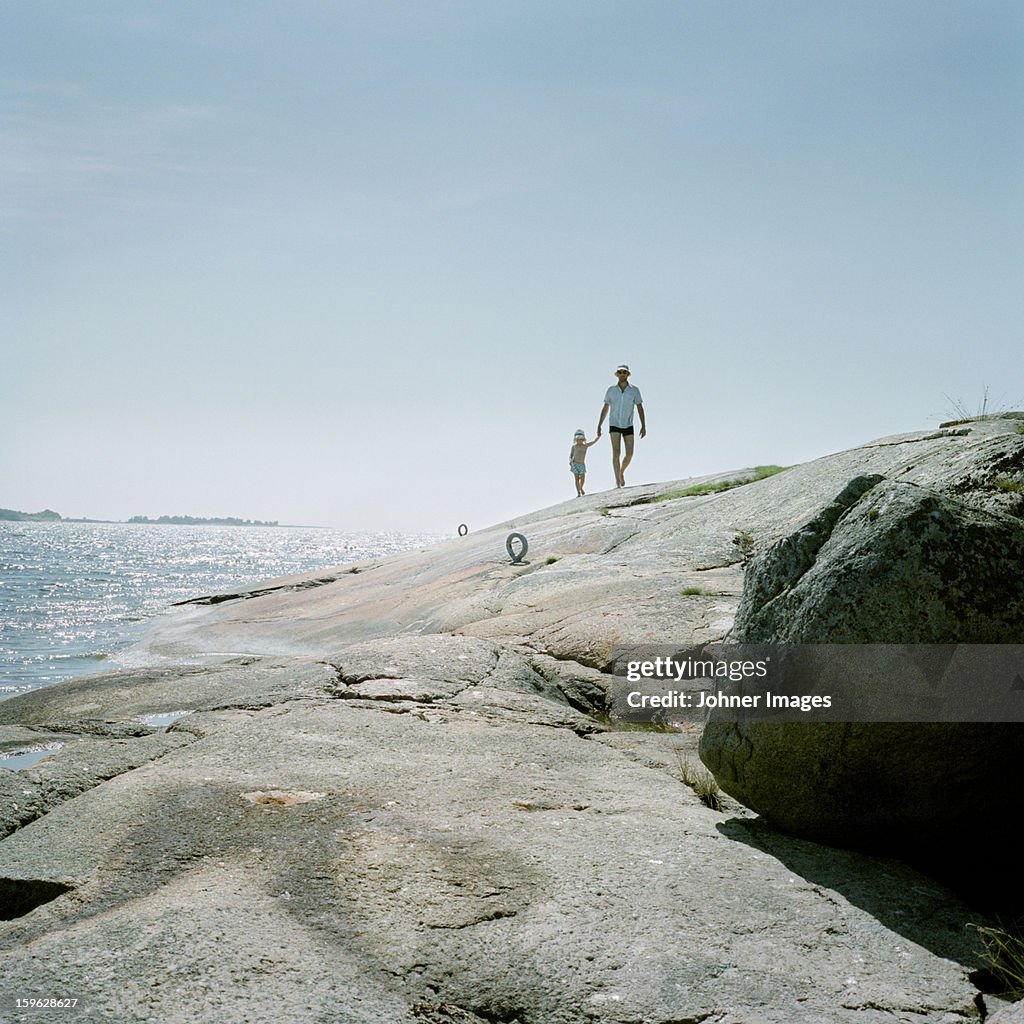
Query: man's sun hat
pixel 621 367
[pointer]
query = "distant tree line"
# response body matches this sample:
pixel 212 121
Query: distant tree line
pixel 198 521
pixel 49 516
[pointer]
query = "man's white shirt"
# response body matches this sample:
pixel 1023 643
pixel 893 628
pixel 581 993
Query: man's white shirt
pixel 621 404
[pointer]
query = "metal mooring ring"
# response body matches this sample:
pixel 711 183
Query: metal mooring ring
pixel 510 548
pixel 463 529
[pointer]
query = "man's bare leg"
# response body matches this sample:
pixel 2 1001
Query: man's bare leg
pixel 615 435
pixel 627 460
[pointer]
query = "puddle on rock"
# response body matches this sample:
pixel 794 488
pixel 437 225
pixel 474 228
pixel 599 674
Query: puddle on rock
pixel 163 719
pixel 29 756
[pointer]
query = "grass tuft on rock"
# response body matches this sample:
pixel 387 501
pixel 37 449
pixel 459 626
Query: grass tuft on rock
pixel 700 780
pixel 983 410
pixel 745 545
pixel 1011 486
pixel 760 473
pixel 1004 958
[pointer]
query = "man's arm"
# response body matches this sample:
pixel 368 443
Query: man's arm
pixel 643 420
pixel 604 412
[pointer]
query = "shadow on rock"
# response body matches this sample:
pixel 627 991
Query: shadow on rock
pixel 895 895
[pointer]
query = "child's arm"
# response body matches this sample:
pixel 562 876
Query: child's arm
pixel 596 439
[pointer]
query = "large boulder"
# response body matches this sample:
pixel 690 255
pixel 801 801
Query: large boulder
pixel 889 563
pixel 885 563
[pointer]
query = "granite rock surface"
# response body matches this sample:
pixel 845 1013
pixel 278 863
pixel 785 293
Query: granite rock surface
pixel 390 795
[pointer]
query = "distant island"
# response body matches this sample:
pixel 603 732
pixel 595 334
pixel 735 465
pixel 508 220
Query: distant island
pixel 13 516
pixel 49 516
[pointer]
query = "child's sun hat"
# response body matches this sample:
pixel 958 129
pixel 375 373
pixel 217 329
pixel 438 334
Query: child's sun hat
pixel 579 433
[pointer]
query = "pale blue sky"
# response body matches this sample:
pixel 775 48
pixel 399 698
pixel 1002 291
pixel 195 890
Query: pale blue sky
pixel 369 264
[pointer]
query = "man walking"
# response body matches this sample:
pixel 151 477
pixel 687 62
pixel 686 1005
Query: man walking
pixel 620 400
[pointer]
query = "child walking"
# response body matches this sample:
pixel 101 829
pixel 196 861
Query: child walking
pixel 578 458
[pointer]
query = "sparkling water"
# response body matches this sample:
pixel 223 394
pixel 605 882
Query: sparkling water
pixel 72 595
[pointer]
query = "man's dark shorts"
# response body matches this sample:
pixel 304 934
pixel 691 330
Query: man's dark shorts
pixel 624 431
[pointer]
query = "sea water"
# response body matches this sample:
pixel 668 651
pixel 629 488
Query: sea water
pixel 74 595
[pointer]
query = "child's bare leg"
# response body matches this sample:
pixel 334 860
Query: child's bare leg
pixel 579 484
